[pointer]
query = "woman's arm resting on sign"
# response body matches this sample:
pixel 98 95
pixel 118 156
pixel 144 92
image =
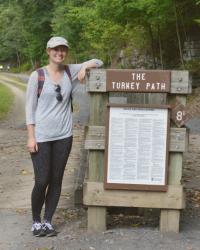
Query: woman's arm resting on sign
pixel 94 63
pixel 31 144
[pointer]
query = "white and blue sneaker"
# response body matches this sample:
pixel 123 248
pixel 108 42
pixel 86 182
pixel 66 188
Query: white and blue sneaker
pixel 37 229
pixel 48 229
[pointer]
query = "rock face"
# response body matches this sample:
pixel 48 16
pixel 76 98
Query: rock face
pixel 191 50
pixel 191 54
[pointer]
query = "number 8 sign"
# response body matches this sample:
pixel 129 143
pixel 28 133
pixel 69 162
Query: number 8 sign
pixel 179 115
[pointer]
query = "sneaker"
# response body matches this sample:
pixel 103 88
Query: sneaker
pixel 37 229
pixel 48 229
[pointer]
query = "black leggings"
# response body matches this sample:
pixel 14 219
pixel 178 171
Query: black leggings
pixel 49 165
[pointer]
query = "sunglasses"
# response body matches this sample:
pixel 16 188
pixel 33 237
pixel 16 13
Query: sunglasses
pixel 58 93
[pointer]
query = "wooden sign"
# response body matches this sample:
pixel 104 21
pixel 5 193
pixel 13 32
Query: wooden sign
pixel 157 81
pixel 137 147
pixel 179 115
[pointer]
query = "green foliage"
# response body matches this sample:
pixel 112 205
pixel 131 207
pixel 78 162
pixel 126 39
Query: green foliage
pixel 37 22
pixel 145 32
pixel 25 28
pixel 70 21
pixel 6 100
pixel 105 28
pixel 12 31
pixel 25 67
pixel 193 66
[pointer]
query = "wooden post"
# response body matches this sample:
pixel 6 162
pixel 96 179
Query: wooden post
pixel 96 219
pixel 170 219
pixel 96 215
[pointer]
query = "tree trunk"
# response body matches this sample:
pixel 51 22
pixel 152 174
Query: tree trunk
pixel 18 59
pixel 160 47
pixel 152 46
pixel 178 35
pixel 37 63
pixel 185 33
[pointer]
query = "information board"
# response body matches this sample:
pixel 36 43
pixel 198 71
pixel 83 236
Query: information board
pixel 137 147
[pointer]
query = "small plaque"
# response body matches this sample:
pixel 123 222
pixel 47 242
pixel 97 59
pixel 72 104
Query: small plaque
pixel 179 115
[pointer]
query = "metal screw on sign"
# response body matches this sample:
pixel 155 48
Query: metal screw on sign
pixel 98 145
pixel 179 89
pixel 97 77
pixel 177 146
pixel 98 84
pixel 180 79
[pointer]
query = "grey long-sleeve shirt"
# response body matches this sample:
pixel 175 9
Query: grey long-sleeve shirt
pixel 52 119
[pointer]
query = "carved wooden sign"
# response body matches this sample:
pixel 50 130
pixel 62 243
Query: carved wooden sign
pixel 157 81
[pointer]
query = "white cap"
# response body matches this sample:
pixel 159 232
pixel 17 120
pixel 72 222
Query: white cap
pixel 57 41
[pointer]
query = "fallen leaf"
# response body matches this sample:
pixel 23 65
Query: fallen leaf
pixel 24 172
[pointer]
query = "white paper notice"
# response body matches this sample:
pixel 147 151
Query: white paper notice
pixel 137 146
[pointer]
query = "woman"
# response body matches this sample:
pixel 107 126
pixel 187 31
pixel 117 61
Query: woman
pixel 49 125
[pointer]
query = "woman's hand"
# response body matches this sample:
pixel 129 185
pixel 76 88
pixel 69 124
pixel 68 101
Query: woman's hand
pixel 81 74
pixel 93 63
pixel 32 145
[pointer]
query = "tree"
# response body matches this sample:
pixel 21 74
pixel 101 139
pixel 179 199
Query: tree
pixel 37 25
pixel 12 33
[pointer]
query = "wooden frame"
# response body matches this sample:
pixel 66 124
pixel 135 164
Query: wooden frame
pixel 96 198
pixel 95 139
pixel 96 195
pixel 146 187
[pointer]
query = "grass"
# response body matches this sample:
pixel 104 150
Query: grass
pixel 6 100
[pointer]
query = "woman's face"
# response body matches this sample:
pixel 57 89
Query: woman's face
pixel 58 54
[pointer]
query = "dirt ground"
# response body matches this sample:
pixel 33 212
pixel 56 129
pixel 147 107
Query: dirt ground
pixel 125 231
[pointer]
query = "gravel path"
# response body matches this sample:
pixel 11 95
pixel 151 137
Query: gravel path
pixel 125 231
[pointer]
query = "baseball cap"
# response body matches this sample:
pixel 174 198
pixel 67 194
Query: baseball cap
pixel 57 41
